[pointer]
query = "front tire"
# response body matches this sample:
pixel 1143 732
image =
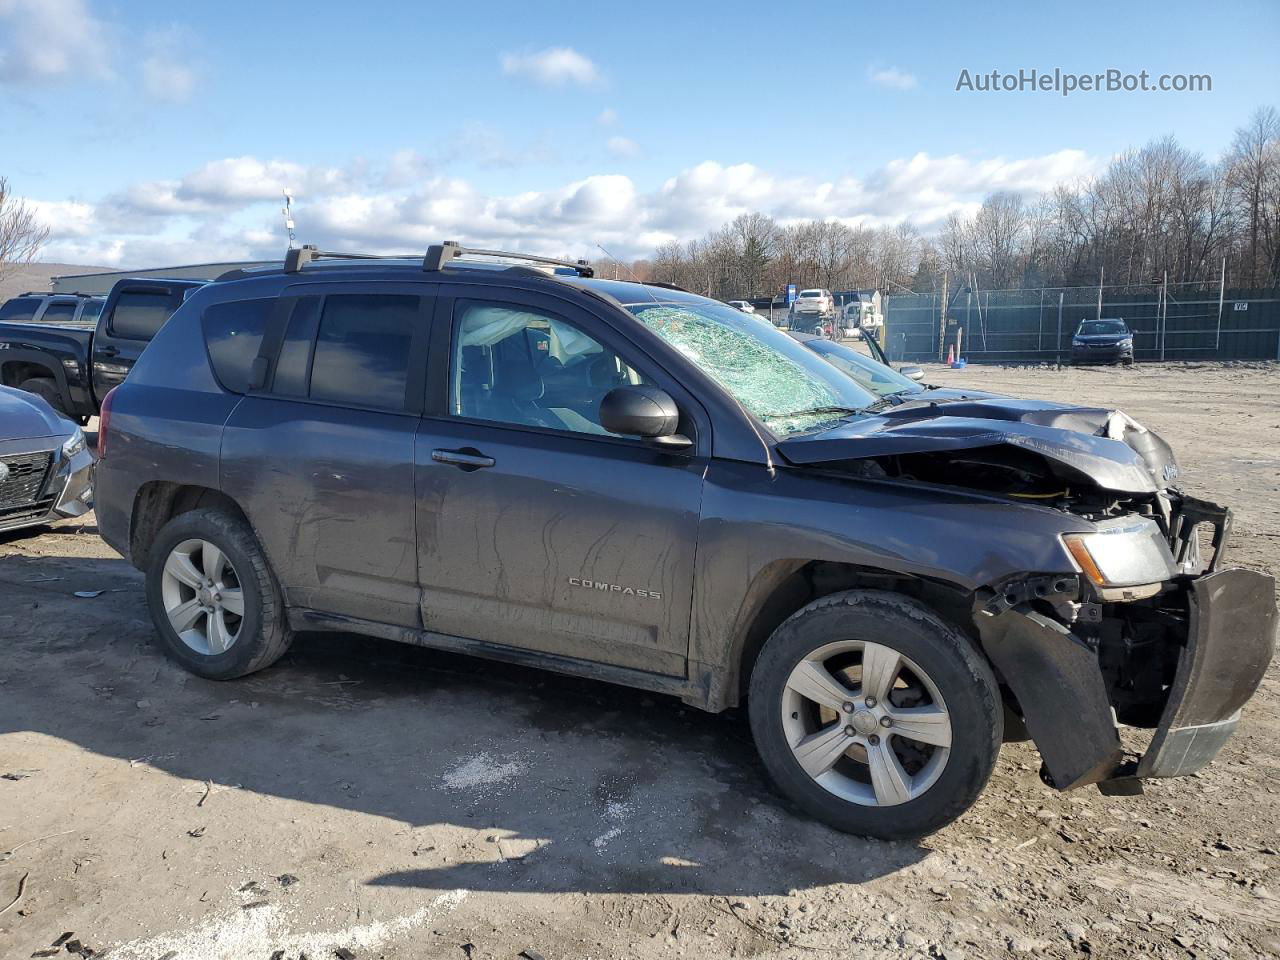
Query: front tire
pixel 874 715
pixel 47 390
pixel 213 598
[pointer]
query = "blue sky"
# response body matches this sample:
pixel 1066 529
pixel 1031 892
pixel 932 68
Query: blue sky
pixel 154 132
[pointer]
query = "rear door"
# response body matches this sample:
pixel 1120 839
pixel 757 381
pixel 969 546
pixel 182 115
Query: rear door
pixel 134 313
pixel 538 529
pixel 322 454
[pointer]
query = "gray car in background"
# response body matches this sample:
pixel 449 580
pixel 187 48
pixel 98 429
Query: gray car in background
pixel 637 484
pixel 46 469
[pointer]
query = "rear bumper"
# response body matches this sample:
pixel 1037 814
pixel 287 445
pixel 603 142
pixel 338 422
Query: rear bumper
pixel 1228 642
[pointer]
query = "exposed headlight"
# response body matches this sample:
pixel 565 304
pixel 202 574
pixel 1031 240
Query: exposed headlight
pixel 1123 553
pixel 74 445
pixel 1125 342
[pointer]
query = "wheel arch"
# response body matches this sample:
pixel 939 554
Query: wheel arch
pixel 17 366
pixel 787 586
pixel 159 501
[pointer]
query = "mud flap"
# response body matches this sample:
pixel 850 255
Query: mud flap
pixel 1059 687
pixel 1229 645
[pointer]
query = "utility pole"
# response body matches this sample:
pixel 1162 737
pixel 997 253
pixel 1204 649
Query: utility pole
pixel 942 321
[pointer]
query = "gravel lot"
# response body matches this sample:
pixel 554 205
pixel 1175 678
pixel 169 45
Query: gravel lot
pixel 402 803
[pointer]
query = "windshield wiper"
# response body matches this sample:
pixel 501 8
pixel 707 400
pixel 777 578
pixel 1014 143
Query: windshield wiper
pixel 812 411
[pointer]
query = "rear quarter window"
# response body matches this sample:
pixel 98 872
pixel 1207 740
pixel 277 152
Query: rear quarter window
pixel 139 315
pixel 233 333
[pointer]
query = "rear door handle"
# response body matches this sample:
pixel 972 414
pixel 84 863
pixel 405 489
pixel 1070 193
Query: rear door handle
pixel 467 459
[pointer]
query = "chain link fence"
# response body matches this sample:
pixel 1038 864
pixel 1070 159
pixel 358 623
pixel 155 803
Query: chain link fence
pixel 1178 322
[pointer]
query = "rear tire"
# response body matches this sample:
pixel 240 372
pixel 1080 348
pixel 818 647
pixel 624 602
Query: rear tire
pixel 47 390
pixel 895 766
pixel 213 598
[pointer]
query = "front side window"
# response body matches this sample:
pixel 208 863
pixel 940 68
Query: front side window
pixel 785 386
pixel 362 350
pixel 520 365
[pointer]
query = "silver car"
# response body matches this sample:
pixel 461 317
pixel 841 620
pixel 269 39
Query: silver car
pixel 46 468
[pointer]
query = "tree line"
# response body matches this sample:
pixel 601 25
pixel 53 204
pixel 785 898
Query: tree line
pixel 1155 211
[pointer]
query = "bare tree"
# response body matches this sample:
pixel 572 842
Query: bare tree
pixel 21 234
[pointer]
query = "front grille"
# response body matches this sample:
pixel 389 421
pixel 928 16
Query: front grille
pixel 26 477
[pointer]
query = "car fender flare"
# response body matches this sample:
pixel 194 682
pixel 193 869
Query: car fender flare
pixel 37 358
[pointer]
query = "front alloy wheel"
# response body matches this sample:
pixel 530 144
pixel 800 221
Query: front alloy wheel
pixel 866 723
pixel 875 715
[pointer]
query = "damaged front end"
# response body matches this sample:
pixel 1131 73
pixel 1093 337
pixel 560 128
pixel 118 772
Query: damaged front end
pixel 1135 638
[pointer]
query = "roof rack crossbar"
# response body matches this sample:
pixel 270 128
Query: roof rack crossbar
pixel 437 257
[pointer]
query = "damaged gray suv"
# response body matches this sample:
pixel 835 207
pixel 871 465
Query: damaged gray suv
pixel 511 458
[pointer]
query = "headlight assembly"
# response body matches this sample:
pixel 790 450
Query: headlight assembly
pixel 74 445
pixel 1127 552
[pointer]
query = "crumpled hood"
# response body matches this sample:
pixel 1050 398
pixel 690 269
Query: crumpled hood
pixel 24 416
pixel 1107 446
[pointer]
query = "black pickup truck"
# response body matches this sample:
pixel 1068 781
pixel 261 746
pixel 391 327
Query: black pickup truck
pixel 73 364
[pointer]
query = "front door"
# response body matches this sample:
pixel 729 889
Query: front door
pixel 536 527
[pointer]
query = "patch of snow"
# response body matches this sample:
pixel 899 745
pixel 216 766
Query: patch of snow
pixel 482 771
pixel 262 931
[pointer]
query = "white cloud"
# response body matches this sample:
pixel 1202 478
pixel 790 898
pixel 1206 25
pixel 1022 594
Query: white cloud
pixel 229 208
pixel 48 41
pixel 622 147
pixel 167 80
pixel 607 117
pixel 891 77
pixel 553 67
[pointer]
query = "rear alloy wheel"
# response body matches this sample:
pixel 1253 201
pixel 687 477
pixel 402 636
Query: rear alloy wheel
pixel 202 597
pixel 874 715
pixel 213 599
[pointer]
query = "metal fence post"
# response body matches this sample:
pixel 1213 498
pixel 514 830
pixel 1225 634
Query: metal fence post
pixel 1061 294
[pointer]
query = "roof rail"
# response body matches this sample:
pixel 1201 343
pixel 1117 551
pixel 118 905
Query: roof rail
pixel 437 257
pixel 58 293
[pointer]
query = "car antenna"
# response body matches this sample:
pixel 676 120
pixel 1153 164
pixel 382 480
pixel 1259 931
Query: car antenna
pixel 287 210
pixel 617 263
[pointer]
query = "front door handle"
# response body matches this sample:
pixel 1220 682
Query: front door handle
pixel 468 458
pixel 109 351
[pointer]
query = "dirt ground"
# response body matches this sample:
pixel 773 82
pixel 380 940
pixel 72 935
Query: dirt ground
pixel 371 800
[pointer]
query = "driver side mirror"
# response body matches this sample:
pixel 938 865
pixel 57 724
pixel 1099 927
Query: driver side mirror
pixel 913 373
pixel 644 411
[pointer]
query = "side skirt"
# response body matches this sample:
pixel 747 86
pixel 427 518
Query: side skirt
pixel 313 620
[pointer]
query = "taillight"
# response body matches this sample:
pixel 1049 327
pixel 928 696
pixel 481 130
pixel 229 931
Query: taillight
pixel 104 421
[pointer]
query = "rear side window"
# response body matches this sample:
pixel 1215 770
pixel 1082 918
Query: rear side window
pixel 20 309
pixel 362 350
pixel 139 315
pixel 91 310
pixel 233 332
pixel 60 311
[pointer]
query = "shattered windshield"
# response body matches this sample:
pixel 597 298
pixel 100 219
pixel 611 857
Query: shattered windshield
pixel 786 387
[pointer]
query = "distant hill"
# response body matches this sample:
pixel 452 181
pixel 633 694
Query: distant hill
pixel 36 276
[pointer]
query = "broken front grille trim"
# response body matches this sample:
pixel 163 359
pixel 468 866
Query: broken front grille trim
pixel 28 473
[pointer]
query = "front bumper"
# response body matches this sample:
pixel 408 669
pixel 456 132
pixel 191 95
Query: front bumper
pixel 1056 676
pixel 1108 353
pixel 66 491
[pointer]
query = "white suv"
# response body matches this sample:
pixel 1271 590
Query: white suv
pixel 812 306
